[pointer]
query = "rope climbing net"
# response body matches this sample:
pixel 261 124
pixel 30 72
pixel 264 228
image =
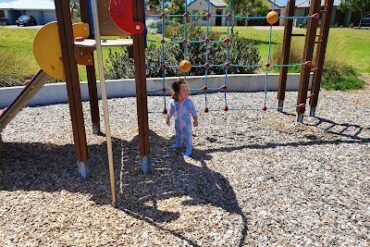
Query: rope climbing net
pixel 271 18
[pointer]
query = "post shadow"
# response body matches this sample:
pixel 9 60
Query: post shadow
pixel 48 167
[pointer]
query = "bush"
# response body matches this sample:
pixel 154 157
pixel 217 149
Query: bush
pixel 9 82
pixel 336 75
pixel 243 51
pixel 120 65
pixel 295 56
pixel 340 76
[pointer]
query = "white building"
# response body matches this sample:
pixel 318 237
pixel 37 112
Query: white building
pixel 217 7
pixel 42 10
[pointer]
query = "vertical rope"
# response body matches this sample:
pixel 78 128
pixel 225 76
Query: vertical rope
pixel 229 18
pixel 207 54
pixel 267 76
pixel 164 70
pixel 186 31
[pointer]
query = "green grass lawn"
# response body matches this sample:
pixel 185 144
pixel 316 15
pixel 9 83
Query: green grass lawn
pixel 348 45
pixel 345 44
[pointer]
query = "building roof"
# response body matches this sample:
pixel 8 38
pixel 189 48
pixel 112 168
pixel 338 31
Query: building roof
pixel 278 4
pixel 307 3
pixel 27 4
pixel 216 3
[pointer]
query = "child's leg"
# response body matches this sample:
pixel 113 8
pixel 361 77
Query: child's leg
pixel 188 140
pixel 178 137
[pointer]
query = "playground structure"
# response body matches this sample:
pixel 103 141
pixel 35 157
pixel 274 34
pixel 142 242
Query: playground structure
pixel 308 64
pixel 70 45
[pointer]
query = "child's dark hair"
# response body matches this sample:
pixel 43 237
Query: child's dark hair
pixel 175 88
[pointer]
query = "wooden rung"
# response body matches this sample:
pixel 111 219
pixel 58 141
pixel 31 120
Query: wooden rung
pixel 310 96
pixel 314 69
pixel 318 41
pixel 298 34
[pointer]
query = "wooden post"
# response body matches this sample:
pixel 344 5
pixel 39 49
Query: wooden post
pixel 91 76
pixel 141 91
pixel 307 58
pixel 73 84
pixel 320 55
pixel 286 52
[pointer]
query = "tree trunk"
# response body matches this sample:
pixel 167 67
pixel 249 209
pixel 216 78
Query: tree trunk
pixel 361 14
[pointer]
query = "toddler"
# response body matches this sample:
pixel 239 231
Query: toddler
pixel 182 108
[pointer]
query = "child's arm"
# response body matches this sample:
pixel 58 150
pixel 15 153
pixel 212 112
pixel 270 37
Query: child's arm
pixel 193 113
pixel 168 120
pixel 170 114
pixel 195 121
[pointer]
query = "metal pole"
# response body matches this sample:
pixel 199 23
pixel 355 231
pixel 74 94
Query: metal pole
pixel 308 56
pixel 286 52
pixel 104 98
pixel 320 55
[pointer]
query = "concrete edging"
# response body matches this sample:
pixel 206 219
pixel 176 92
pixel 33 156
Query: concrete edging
pixel 57 93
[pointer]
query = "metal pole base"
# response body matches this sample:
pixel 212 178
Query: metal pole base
pixel 299 117
pixel 313 112
pixel 280 106
pixel 83 170
pixel 96 128
pixel 145 164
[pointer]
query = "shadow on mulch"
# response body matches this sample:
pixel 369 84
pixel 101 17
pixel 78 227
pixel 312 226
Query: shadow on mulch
pixel 47 167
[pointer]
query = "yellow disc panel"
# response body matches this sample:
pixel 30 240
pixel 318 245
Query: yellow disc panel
pixel 47 50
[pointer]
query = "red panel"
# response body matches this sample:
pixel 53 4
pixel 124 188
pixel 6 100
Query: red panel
pixel 122 13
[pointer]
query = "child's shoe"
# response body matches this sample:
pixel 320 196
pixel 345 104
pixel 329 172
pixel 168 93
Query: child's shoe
pixel 175 145
pixel 188 151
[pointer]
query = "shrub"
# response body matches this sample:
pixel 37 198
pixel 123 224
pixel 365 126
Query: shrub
pixel 120 65
pixel 336 75
pixel 340 76
pixel 243 51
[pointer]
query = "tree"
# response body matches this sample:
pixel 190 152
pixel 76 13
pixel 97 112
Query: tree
pixel 154 5
pixel 172 7
pixel 249 7
pixel 355 5
pixel 176 7
pixel 74 6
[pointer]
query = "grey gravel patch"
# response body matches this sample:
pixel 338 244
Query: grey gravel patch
pixel 255 179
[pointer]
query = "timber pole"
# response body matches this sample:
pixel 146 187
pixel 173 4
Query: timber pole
pixel 91 77
pixel 141 90
pixel 320 55
pixel 286 52
pixel 73 84
pixel 307 58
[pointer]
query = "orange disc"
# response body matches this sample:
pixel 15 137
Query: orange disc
pixel 272 17
pixel 185 66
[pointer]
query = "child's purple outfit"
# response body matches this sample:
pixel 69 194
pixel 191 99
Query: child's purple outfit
pixel 183 126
